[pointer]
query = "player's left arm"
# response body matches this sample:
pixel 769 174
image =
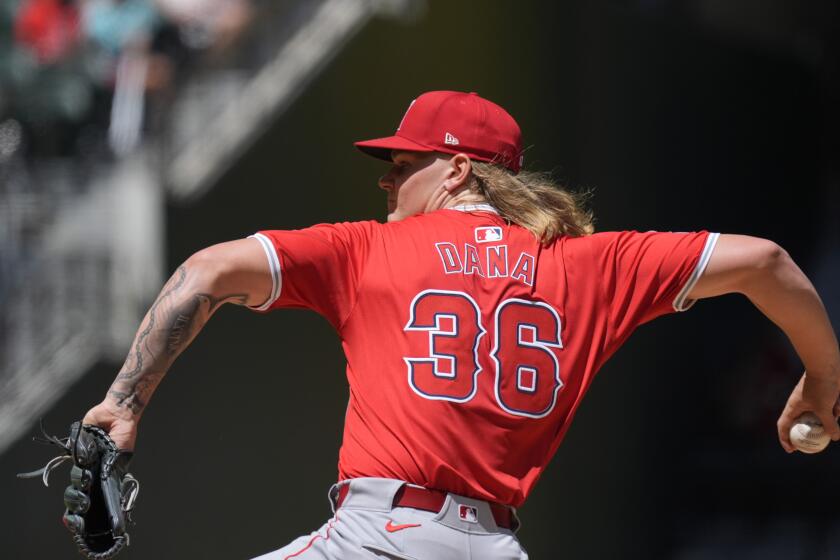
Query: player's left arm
pixel 765 273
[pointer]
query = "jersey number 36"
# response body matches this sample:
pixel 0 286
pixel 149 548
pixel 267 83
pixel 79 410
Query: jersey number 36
pixel 525 336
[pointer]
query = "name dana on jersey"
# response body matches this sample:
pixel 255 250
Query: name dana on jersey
pixel 491 261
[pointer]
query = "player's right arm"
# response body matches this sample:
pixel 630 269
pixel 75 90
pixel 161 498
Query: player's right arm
pixel 234 272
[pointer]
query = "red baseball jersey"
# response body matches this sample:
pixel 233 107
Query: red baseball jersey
pixel 469 344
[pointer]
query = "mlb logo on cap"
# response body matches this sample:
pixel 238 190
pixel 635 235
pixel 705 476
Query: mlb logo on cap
pixel 488 234
pixel 468 513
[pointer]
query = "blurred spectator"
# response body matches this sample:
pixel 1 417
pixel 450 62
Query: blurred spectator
pixel 48 28
pixel 207 24
pixel 122 31
pixel 79 68
pixel 114 25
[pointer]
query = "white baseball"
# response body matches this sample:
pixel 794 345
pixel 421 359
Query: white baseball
pixel 808 434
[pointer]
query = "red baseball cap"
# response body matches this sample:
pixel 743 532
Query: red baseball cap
pixel 453 122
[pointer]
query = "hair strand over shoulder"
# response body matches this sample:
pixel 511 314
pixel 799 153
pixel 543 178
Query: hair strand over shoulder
pixel 534 201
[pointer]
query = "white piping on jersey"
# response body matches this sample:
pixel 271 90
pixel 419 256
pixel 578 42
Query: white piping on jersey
pixel 474 208
pixel 274 265
pixel 680 302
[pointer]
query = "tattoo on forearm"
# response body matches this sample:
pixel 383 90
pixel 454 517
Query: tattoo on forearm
pixel 171 323
pixel 182 324
pixel 173 285
pixel 186 321
pixel 131 400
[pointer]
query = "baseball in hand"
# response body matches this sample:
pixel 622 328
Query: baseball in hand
pixel 808 434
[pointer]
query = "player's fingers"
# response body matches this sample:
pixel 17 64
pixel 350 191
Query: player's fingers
pixel 75 523
pixel 837 408
pixel 829 422
pixel 783 425
pixel 124 434
pixel 75 500
pixel 97 416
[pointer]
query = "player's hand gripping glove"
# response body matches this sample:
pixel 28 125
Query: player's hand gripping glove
pixel 101 495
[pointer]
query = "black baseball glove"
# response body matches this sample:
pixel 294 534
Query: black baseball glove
pixel 101 495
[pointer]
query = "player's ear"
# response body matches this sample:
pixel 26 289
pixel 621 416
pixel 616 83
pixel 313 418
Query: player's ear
pixel 460 167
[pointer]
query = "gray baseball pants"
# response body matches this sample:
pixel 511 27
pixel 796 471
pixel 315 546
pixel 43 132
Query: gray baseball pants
pixel 368 527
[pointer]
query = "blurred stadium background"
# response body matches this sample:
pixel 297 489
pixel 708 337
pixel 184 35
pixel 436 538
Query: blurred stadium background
pixel 134 132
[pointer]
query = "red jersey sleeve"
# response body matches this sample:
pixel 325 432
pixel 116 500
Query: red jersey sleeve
pixel 317 268
pixel 645 275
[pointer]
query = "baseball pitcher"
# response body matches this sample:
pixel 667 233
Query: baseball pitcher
pixel 486 304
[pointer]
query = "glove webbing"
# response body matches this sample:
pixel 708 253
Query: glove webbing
pixel 119 543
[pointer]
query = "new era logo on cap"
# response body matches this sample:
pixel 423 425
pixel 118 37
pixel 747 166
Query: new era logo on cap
pixel 454 122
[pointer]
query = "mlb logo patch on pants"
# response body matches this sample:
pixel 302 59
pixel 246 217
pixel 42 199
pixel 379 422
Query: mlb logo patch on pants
pixel 468 513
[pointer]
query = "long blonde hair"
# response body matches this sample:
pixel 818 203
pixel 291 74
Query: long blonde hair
pixel 534 201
